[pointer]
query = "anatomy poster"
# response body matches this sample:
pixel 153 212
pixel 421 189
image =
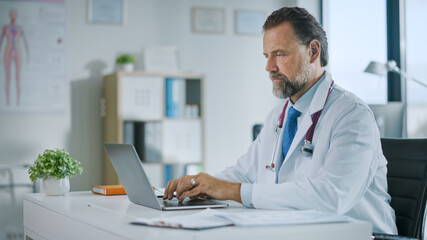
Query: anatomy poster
pixel 32 56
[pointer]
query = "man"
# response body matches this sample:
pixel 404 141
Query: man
pixel 343 171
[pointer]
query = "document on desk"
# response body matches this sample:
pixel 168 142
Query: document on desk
pixel 277 217
pixel 205 219
pixel 210 218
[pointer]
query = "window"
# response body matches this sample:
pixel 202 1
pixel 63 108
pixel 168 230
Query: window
pixel 416 50
pixel 357 35
pixel 416 67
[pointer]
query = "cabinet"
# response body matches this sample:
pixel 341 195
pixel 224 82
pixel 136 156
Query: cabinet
pixel 162 116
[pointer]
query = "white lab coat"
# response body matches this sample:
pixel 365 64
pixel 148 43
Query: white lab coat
pixel 346 173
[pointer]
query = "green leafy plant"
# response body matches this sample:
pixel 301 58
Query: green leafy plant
pixel 55 163
pixel 125 58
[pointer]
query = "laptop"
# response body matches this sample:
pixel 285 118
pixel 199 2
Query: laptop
pixel 137 186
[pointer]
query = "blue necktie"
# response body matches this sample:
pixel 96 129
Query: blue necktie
pixel 289 131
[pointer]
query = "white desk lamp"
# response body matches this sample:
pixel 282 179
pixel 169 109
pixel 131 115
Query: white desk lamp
pixel 391 66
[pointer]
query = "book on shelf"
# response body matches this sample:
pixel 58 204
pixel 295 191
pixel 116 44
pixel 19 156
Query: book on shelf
pixel 167 174
pixel 152 142
pixel 129 132
pixel 173 171
pixel 175 97
pixel 193 96
pixel 139 137
pixel 109 190
pixel 146 137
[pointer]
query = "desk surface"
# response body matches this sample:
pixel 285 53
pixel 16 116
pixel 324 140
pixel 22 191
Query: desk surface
pixel 83 215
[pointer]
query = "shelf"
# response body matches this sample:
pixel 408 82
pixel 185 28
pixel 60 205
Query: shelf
pixel 161 115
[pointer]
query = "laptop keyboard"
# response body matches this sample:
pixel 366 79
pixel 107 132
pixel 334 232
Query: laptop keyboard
pixel 196 202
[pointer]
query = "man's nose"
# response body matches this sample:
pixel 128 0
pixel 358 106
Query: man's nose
pixel 271 65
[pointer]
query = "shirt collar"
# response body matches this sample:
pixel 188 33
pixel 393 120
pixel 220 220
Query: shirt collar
pixel 304 101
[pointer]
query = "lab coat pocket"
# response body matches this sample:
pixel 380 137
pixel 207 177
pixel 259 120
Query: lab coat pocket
pixel 305 166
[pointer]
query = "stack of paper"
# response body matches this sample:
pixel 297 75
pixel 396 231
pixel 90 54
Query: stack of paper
pixel 271 218
pixel 210 218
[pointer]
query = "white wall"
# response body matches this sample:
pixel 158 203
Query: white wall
pixel 237 88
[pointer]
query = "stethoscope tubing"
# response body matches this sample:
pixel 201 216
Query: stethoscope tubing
pixel 307 148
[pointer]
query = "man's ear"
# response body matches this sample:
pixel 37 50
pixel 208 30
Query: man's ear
pixel 314 48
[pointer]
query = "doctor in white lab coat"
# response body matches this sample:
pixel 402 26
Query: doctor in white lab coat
pixel 346 172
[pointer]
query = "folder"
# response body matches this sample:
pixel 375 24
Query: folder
pixel 172 104
pixel 109 190
pixel 175 97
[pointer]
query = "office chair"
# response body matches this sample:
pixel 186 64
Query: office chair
pixel 407 183
pixel 256 129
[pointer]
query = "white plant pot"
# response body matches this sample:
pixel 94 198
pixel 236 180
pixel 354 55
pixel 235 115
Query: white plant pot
pixel 56 187
pixel 127 67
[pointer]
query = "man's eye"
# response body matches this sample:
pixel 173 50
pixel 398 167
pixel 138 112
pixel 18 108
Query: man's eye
pixel 280 54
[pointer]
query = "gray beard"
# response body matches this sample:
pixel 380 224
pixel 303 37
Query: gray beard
pixel 286 88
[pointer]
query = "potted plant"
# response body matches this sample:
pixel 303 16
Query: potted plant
pixel 55 167
pixel 126 62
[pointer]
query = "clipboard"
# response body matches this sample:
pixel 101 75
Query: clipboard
pixel 206 219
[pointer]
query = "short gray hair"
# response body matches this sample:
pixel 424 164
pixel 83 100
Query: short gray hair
pixel 306 28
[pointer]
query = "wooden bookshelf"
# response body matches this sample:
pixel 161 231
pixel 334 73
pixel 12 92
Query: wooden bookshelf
pixel 147 102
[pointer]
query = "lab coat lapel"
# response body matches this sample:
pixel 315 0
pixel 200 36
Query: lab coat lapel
pixel 279 153
pixel 316 105
pixel 321 94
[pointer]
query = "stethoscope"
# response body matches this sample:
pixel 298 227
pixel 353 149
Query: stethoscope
pixel 307 148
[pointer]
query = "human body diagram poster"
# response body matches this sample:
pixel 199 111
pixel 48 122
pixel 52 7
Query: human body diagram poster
pixel 32 56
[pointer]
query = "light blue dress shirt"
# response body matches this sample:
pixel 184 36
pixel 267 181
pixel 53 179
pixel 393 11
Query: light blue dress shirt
pixel 302 106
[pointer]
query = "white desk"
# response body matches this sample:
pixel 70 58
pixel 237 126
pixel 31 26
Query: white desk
pixel 83 215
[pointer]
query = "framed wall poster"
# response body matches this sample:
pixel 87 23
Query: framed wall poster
pixel 249 22
pixel 161 59
pixel 107 11
pixel 34 81
pixel 208 20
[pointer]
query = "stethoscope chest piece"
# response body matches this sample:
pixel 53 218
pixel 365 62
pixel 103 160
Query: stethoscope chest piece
pixel 307 149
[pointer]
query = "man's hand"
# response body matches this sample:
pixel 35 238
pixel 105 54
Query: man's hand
pixel 204 185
